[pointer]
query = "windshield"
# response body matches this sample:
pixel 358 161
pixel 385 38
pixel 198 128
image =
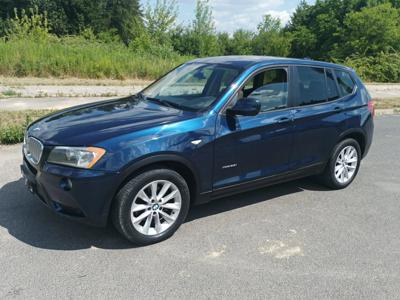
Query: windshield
pixel 192 86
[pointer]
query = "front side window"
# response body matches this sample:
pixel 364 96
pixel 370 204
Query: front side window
pixel 346 84
pixel 269 87
pixel 310 86
pixel 192 86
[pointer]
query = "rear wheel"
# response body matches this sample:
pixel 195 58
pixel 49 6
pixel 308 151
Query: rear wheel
pixel 343 165
pixel 151 206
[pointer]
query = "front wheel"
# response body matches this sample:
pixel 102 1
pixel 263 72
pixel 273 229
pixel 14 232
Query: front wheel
pixel 151 206
pixel 343 165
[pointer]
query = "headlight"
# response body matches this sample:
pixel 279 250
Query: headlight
pixel 76 156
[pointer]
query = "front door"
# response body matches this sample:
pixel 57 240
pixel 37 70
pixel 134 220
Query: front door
pixel 252 147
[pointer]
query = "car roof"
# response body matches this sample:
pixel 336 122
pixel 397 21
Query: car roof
pixel 247 61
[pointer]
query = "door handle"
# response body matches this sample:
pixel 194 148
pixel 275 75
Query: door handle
pixel 283 120
pixel 338 108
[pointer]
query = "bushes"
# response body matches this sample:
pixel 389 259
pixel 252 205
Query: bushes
pixel 384 67
pixel 30 49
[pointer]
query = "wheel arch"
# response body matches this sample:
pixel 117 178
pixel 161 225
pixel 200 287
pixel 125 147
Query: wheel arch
pixel 171 161
pixel 356 134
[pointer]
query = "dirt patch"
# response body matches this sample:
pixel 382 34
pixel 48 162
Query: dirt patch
pixel 384 90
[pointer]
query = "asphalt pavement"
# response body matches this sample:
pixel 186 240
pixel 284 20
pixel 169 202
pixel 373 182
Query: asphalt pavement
pixel 295 240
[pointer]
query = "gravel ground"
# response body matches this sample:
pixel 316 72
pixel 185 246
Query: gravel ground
pixel 15 104
pixel 295 240
pixel 62 96
pixel 90 89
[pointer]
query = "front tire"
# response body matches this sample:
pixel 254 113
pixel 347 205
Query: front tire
pixel 150 207
pixel 343 165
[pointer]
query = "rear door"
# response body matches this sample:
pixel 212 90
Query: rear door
pixel 317 115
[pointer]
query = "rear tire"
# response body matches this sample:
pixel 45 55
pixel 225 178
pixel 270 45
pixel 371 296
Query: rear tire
pixel 150 207
pixel 343 164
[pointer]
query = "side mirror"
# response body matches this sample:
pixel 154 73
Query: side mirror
pixel 245 107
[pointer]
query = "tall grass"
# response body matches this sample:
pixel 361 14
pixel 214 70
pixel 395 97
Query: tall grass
pixel 77 57
pixel 14 123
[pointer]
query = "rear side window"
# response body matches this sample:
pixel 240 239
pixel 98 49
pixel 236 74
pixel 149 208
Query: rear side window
pixel 310 85
pixel 331 87
pixel 345 82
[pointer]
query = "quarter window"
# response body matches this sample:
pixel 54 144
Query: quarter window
pixel 346 84
pixel 331 87
pixel 310 86
pixel 269 87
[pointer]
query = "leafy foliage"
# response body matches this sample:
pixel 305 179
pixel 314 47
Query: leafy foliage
pixel 383 67
pixel 270 38
pixel 115 38
pixel 28 25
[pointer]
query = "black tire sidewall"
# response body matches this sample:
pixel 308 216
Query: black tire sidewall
pixel 127 194
pixel 331 168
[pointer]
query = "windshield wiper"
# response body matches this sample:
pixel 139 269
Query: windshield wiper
pixel 161 101
pixel 166 103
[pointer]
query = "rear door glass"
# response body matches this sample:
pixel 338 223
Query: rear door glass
pixel 310 86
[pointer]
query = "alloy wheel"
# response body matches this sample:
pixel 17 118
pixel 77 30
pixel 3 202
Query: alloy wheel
pixel 156 207
pixel 346 164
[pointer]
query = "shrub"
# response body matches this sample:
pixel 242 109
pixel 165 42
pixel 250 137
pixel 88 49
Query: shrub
pixel 31 24
pixel 384 67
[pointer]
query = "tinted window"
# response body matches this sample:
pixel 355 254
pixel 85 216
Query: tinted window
pixel 270 88
pixel 346 84
pixel 227 78
pixel 310 85
pixel 331 87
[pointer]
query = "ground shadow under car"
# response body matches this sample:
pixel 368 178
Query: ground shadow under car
pixel 26 219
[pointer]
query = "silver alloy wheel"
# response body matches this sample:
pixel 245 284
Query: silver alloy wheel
pixel 346 164
pixel 156 207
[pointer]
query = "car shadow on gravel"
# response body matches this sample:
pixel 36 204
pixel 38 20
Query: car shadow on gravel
pixel 252 197
pixel 26 219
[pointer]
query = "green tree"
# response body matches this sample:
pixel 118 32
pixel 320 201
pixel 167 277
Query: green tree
pixel 202 33
pixel 315 28
pixel 125 17
pixel 241 42
pixel 160 20
pixel 371 31
pixel 270 38
pixel 70 17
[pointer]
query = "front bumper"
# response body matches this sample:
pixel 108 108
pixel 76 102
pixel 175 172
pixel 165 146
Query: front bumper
pixel 82 195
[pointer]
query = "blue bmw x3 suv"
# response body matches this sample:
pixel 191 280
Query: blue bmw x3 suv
pixel 209 128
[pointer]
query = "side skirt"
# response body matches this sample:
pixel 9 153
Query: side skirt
pixel 259 183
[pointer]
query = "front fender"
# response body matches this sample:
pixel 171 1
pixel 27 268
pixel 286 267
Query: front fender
pixel 159 158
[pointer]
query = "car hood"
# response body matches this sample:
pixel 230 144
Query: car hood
pixel 87 125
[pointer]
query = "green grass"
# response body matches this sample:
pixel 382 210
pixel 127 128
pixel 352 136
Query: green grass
pixel 14 123
pixel 9 93
pixel 76 57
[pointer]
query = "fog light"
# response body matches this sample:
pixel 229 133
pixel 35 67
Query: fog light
pixel 66 184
